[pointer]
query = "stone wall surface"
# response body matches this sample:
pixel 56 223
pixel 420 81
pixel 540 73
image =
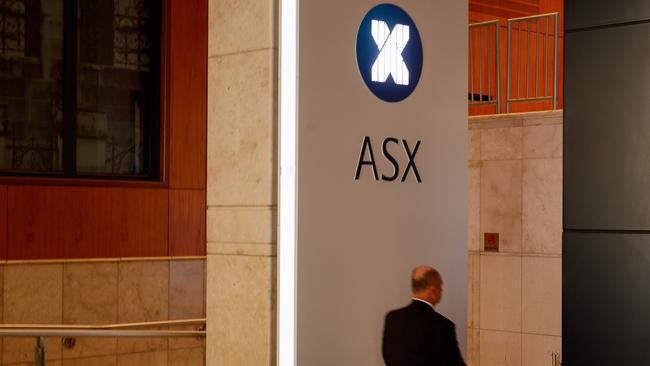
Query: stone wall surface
pixel 103 292
pixel 515 190
pixel 242 182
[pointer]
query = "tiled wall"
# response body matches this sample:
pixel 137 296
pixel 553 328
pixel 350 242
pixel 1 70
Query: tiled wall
pixel 242 182
pixel 515 189
pixel 104 292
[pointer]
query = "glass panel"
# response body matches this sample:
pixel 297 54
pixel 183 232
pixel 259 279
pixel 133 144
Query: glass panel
pixel 118 94
pixel 31 50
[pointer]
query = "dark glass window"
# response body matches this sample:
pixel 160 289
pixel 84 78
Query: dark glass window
pixel 80 88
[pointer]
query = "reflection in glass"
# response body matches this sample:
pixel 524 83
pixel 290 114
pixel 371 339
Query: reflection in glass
pixel 31 40
pixel 117 95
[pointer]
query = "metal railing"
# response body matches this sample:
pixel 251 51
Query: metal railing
pixel 531 67
pixel 68 332
pixel 525 25
pixel 485 32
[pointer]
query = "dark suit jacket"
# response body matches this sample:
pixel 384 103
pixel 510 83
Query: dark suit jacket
pixel 417 335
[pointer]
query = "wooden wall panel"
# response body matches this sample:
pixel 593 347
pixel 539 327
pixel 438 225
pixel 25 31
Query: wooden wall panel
pixel 188 82
pixel 187 210
pixel 48 222
pixel 3 222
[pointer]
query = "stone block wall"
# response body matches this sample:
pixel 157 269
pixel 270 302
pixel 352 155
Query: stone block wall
pixel 103 292
pixel 242 182
pixel 515 190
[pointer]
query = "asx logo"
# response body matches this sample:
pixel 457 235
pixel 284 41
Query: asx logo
pixel 389 53
pixel 390 45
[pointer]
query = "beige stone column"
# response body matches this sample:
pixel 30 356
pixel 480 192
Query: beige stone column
pixel 242 182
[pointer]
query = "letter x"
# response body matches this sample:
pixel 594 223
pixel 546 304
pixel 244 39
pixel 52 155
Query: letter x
pixel 390 45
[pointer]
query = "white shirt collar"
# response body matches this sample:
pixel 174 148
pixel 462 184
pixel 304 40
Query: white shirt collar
pixel 424 301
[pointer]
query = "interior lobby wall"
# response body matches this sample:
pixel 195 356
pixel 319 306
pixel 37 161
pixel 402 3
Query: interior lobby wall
pixel 515 190
pixel 242 182
pixel 103 292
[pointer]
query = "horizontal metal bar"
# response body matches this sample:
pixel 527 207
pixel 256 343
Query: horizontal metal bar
pixel 483 103
pixel 489 22
pixel 44 332
pixel 161 323
pixel 530 99
pixel 547 15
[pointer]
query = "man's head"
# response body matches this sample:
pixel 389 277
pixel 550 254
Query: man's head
pixel 426 284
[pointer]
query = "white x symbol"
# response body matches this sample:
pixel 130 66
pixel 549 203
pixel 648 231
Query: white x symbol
pixel 390 45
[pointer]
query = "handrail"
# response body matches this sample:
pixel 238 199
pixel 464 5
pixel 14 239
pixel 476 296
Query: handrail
pixel 530 17
pixel 43 332
pixel 68 332
pixel 180 322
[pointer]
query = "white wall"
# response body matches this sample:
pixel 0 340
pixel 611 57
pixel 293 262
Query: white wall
pixel 357 240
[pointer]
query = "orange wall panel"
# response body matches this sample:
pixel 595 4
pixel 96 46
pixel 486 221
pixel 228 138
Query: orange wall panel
pixel 188 82
pixel 48 222
pixel 187 210
pixel 3 222
pixel 484 10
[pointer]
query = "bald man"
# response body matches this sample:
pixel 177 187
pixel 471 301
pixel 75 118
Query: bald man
pixel 417 335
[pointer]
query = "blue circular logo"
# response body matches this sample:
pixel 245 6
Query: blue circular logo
pixel 389 53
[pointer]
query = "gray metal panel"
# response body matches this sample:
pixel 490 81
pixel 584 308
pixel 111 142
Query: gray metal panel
pixel 607 129
pixel 605 299
pixel 589 13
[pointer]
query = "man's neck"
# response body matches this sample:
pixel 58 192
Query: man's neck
pixel 416 298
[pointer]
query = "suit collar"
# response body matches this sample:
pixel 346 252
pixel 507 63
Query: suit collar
pixel 421 302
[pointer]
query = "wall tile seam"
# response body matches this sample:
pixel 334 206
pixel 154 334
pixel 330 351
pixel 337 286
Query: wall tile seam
pixel 520 115
pixel 115 354
pixel 522 158
pixel 500 118
pixel 242 208
pixel 519 332
pixel 244 255
pixel 45 262
pixel 271 243
pixel 224 207
pixel 242 52
pixel 495 125
pixel 515 254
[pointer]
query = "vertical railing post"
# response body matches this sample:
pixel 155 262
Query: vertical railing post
pixel 555 63
pixel 498 53
pixel 508 68
pixel 471 66
pixel 39 353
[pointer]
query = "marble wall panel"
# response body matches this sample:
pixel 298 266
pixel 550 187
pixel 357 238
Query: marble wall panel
pixel 473 290
pixel 542 295
pixel 474 145
pixel 33 294
pixel 187 357
pixel 474 208
pixel 544 141
pixel 537 350
pixel 241 25
pixel 242 225
pixel 157 358
pixel 473 347
pixel 240 309
pixel 186 298
pixel 500 348
pixel 241 138
pixel 143 291
pixel 94 361
pixel 501 187
pixel 501 143
pixel 90 297
pixel 542 206
pixel 500 300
